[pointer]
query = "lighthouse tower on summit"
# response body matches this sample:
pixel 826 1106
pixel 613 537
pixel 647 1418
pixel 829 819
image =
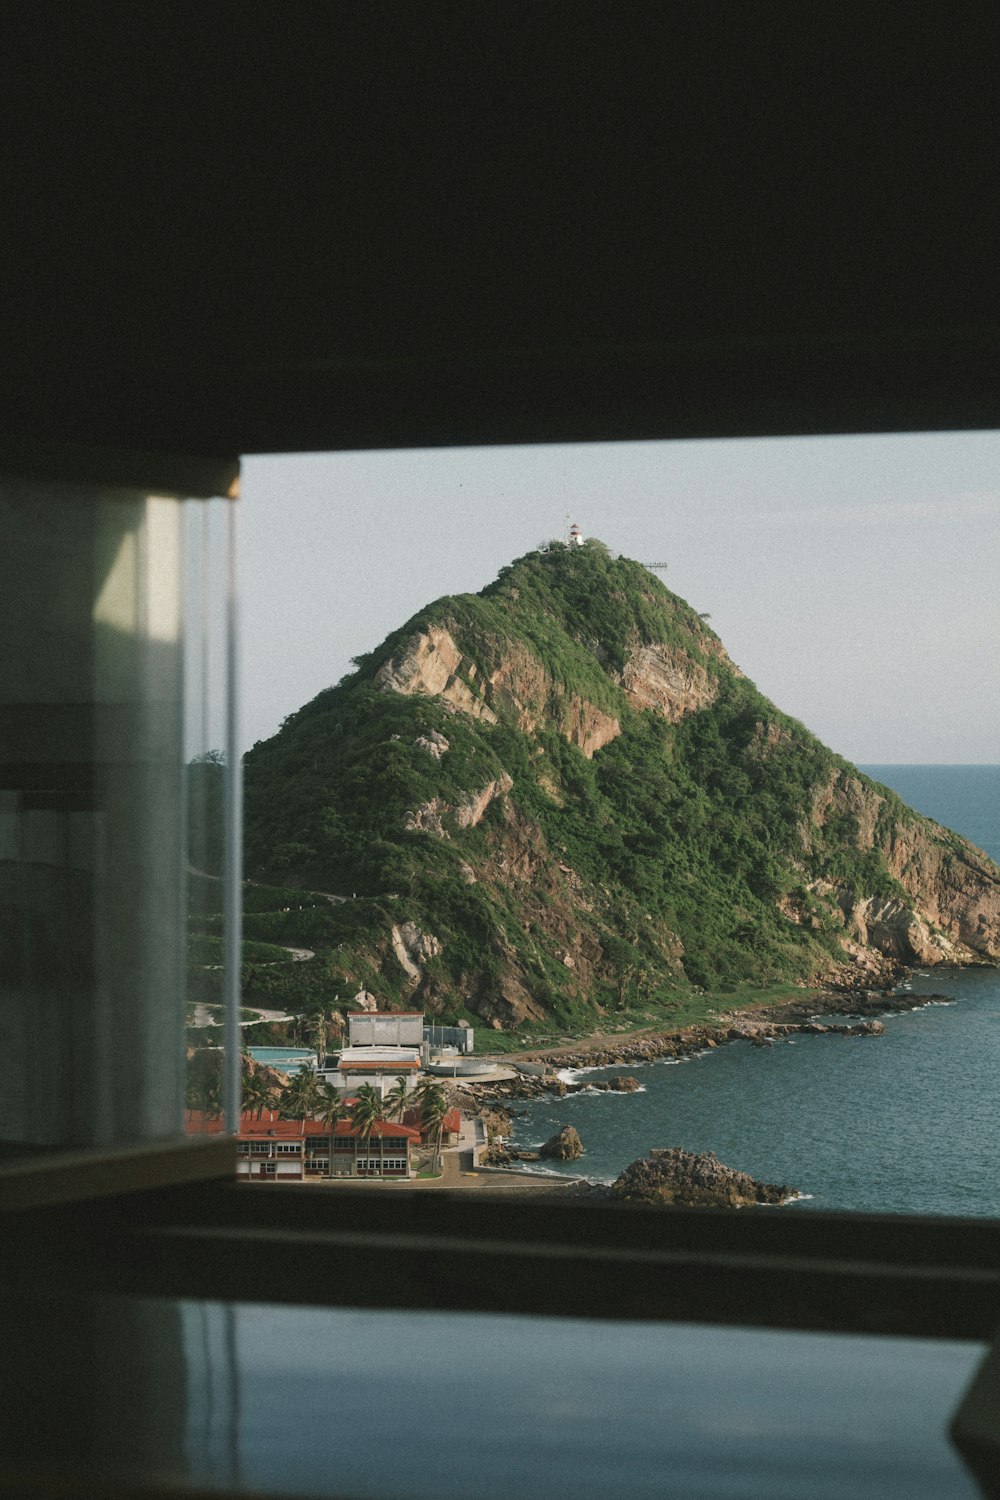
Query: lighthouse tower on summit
pixel 575 536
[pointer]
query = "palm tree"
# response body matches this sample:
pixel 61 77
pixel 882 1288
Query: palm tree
pixel 368 1111
pixel 300 1098
pixel 432 1102
pixel 396 1099
pixel 330 1108
pixel 258 1093
pixel 316 1029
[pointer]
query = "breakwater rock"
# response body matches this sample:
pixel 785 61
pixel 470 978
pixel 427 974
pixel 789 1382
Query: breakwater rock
pixel 565 1145
pixel 674 1178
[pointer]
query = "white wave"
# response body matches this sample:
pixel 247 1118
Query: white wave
pixel 591 1092
pixel 573 1075
pixel 532 1169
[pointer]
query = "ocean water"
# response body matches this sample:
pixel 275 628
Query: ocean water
pixel 908 1122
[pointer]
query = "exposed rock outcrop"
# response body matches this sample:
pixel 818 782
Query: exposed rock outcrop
pixel 667 679
pixel 675 1178
pixel 587 727
pixel 429 663
pixel 413 948
pixel 565 1145
pixel 434 743
pixel 432 663
pixel 469 813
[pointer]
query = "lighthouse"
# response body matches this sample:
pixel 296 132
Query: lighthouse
pixel 575 536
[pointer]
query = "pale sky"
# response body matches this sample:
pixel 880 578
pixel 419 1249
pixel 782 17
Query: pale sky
pixel 853 579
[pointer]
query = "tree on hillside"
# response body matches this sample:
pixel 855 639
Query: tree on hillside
pixel 368 1111
pixel 300 1098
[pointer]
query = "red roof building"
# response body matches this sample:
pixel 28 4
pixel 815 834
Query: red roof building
pixel 271 1149
pixel 451 1126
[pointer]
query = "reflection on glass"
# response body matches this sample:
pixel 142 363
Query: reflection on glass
pixel 207 771
pixel 93 819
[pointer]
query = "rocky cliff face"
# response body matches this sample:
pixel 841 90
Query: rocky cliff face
pixel 948 910
pixel 566 785
pixel 518 686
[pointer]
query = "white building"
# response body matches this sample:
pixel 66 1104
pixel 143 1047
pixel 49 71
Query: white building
pixel 379 1066
pixel 385 1028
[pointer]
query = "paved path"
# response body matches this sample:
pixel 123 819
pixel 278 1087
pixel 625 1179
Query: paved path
pixel 205 1015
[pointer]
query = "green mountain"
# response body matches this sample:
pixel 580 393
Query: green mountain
pixel 559 798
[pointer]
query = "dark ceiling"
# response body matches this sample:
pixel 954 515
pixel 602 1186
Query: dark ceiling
pixel 319 225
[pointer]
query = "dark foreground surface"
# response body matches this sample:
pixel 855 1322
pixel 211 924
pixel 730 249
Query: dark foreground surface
pixel 232 1398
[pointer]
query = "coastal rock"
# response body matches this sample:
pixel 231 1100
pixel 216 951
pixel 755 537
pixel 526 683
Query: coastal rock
pixel 565 1146
pixel 496 1122
pixel 497 1155
pixel 675 1178
pixel 624 1083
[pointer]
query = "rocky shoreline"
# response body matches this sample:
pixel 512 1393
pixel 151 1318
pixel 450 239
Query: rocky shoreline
pixel 761 1026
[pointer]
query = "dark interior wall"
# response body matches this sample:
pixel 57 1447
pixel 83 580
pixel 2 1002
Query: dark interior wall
pixel 236 228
